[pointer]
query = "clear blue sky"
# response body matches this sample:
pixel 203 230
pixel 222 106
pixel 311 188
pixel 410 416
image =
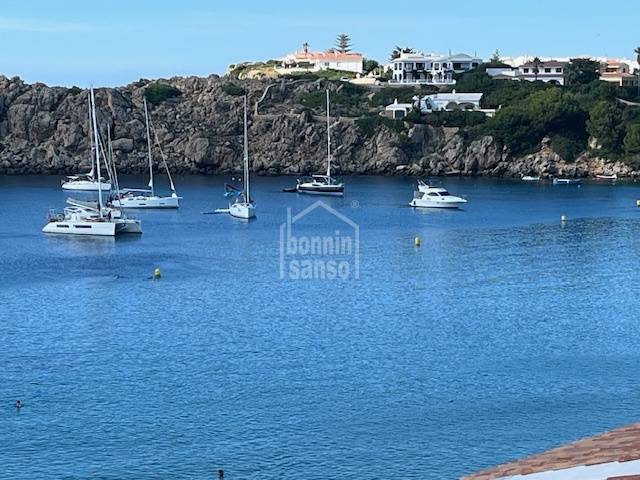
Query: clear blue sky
pixel 70 42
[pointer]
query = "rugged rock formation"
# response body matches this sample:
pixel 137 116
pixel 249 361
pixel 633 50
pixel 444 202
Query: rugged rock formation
pixel 45 130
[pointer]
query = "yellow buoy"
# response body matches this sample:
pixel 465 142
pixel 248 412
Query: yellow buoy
pixel 157 274
pixel 416 241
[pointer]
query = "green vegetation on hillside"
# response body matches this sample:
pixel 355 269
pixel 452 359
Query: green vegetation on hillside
pixel 233 89
pixel 569 115
pixel 159 92
pixel 328 74
pixel 349 100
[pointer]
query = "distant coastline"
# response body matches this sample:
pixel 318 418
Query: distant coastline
pixel 43 130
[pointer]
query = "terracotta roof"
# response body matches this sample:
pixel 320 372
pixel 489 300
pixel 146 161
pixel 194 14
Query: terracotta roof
pixel 329 56
pixel 621 445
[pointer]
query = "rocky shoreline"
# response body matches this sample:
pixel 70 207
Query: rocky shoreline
pixel 44 130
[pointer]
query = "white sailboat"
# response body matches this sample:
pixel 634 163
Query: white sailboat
pixel 87 181
pixel 322 184
pixel 81 219
pixel 241 205
pixel 147 198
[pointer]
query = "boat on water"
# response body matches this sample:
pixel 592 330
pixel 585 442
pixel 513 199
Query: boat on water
pixel 240 202
pixel 530 178
pixel 82 218
pixel 322 184
pixel 87 182
pixel 567 181
pixel 428 196
pixel 607 177
pixel 147 197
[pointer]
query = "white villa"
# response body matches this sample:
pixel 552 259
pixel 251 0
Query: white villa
pixel 307 61
pixel 550 71
pixel 447 102
pixel 430 69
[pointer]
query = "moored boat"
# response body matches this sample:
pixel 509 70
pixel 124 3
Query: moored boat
pixel 240 202
pixel 322 184
pixel 428 196
pixel 567 181
pixel 530 178
pixel 147 197
pixel 607 177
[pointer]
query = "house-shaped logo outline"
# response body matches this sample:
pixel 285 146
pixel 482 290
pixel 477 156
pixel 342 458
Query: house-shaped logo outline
pixel 286 228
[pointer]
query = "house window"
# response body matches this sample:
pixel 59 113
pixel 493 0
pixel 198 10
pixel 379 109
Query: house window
pixel 474 64
pixel 525 70
pixel 558 70
pixel 547 70
pixel 419 66
pixel 457 66
pixel 326 64
pixel 436 66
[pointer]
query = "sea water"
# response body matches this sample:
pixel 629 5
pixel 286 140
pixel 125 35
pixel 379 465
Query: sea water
pixel 507 332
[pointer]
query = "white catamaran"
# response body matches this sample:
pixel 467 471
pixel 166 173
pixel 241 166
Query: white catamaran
pixel 87 181
pixel 240 203
pixel 87 219
pixel 322 184
pixel 147 198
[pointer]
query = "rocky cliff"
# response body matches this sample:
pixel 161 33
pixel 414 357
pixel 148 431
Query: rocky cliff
pixel 45 130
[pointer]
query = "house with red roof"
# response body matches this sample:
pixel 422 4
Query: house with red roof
pixel 306 60
pixel 618 72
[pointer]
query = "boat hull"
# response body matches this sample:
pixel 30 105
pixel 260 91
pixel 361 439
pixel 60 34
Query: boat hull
pixel 86 186
pixel 128 225
pixel 72 227
pixel 567 181
pixel 147 202
pixel 421 203
pixel 242 210
pixel 333 190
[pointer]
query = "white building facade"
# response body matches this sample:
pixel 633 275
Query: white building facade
pixel 430 69
pixel 550 71
pixel 307 61
pixel 449 102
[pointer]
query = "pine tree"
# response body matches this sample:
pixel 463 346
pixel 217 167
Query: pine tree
pixel 343 43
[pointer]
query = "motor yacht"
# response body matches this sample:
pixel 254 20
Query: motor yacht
pixel 428 196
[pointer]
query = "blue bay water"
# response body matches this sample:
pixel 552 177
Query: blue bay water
pixel 506 333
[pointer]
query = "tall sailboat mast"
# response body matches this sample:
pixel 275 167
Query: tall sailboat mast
pixel 146 118
pixel 93 167
pixel 246 154
pixel 328 139
pixel 95 135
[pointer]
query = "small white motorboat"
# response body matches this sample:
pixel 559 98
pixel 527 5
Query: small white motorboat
pixel 567 181
pixel 530 178
pixel 607 177
pixel 434 197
